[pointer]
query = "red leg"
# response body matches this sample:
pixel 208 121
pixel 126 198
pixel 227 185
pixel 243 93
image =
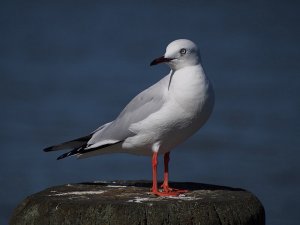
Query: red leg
pixel 154 173
pixel 154 177
pixel 167 191
pixel 165 184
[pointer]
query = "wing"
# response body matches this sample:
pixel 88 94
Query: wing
pixel 139 108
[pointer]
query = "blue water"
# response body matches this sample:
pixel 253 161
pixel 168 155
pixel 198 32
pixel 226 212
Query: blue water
pixel 68 67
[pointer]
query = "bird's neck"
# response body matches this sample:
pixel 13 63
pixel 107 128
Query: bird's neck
pixel 192 72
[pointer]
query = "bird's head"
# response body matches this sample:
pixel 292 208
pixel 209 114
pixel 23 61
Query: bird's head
pixel 179 53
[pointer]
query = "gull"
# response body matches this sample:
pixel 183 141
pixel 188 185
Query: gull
pixel 157 119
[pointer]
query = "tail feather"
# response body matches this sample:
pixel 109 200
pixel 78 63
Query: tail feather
pixel 76 144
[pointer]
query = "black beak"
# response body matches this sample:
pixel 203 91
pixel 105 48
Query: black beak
pixel 161 59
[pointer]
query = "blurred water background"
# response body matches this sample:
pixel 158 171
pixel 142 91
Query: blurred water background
pixel 67 67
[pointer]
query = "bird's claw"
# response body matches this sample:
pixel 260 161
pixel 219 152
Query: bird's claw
pixel 167 191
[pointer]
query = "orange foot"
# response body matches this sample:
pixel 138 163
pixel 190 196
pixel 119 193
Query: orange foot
pixel 167 189
pixel 170 193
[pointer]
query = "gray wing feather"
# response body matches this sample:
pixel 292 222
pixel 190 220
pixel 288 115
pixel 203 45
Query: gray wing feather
pixel 139 108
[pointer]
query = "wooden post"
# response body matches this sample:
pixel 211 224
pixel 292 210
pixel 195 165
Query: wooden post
pixel 130 203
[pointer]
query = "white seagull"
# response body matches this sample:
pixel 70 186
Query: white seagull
pixel 157 119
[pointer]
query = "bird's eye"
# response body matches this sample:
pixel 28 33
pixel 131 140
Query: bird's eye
pixel 182 51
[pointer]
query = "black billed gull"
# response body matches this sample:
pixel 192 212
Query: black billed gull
pixel 157 119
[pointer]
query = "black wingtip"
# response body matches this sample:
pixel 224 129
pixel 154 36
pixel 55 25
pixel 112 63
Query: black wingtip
pixel 82 150
pixel 63 156
pixel 48 149
pixel 60 157
pixel 70 153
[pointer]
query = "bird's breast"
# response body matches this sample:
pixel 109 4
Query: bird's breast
pixel 191 91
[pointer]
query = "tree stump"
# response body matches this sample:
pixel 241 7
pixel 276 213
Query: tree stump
pixel 130 203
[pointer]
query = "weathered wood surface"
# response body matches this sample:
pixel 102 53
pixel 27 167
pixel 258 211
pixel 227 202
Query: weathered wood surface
pixel 130 203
